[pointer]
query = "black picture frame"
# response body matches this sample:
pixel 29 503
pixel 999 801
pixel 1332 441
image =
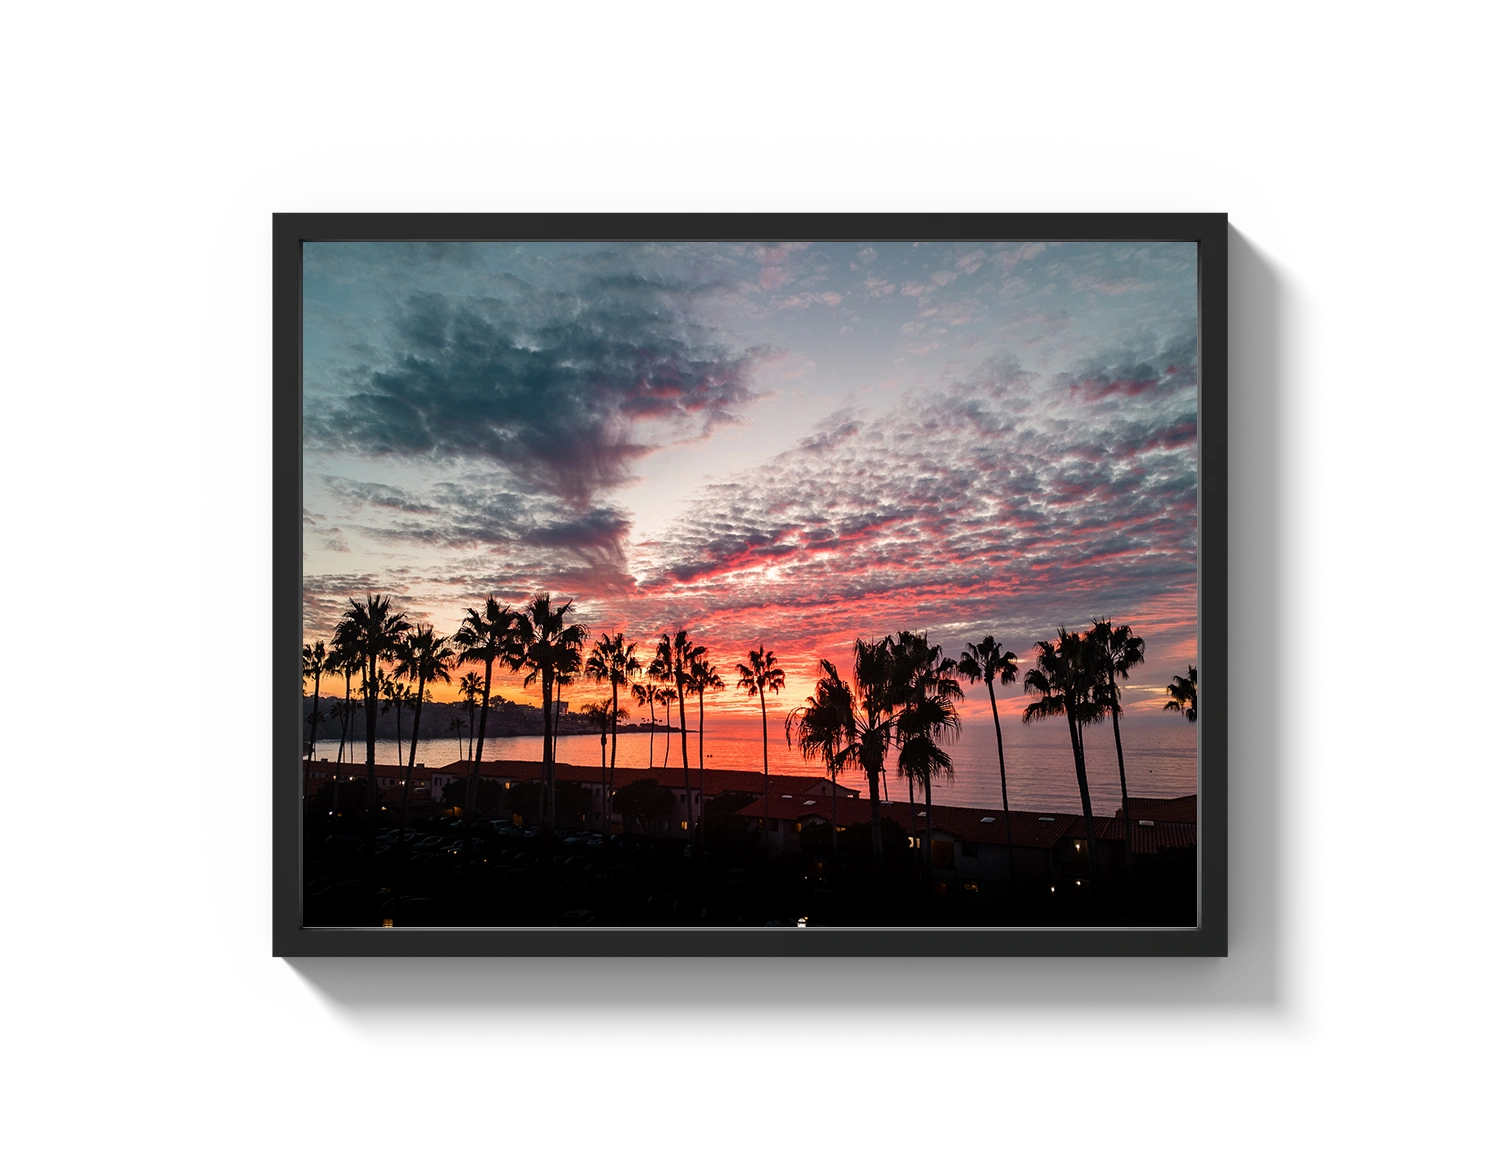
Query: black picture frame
pixel 248 317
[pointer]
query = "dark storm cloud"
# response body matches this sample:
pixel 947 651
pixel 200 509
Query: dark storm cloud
pixel 562 387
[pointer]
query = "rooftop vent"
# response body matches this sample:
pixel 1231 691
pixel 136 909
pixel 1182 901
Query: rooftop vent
pixel 1046 818
pixel 786 796
pixel 1148 824
pixel 986 820
pixel 809 802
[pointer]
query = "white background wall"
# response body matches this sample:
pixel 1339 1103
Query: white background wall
pixel 119 122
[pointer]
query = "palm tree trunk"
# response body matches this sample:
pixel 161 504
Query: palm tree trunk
pixel 345 725
pixel 312 736
pixel 614 746
pixel 614 726
pixel 687 779
pixel 1081 767
pixel 1010 871
pixel 833 778
pixel 398 733
pixel 471 796
pixel 372 711
pixel 700 744
pixel 927 844
pixel 546 749
pixel 873 776
pixel 1114 715
pixel 416 726
pixel 911 805
pixel 765 759
pixel 651 735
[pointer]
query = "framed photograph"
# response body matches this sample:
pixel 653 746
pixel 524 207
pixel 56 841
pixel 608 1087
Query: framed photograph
pixel 749 584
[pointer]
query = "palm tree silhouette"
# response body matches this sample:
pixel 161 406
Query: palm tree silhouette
pixel 821 728
pixel 456 725
pixel 675 655
pixel 645 696
pixel 598 715
pixel 1066 680
pixel 314 663
pixel 702 678
pixel 550 643
pixel 470 690
pixel 373 630
pixel 927 718
pixel 493 634
pixel 1184 692
pixel 986 660
pixel 757 676
pixel 864 715
pixel 424 657
pixel 566 669
pixel 613 660
pixel 343 658
pixel 397 697
pixel 666 696
pixel 1119 650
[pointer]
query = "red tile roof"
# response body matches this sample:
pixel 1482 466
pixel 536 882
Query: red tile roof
pixel 1143 838
pixel 1149 808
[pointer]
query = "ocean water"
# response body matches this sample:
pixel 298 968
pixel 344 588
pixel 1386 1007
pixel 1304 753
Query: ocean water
pixel 1161 759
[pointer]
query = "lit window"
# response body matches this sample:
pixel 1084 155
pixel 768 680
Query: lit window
pixel 684 826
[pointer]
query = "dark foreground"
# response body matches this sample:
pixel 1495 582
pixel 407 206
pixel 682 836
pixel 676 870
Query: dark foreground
pixel 511 877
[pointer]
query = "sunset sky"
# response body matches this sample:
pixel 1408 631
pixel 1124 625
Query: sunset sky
pixel 796 443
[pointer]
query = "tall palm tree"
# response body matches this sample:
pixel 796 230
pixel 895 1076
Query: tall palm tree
pixel 344 659
pixel 424 657
pixel 821 728
pixel 614 661
pixel 567 668
pixel 757 676
pixel 373 630
pixel 1065 681
pixel 314 663
pixel 645 696
pixel 1119 650
pixel 927 718
pixel 865 714
pixel 598 715
pixel 678 653
pixel 549 641
pixel 666 696
pixel 987 660
pixel 492 634
pixel 1184 694
pixel 470 690
pixel 398 697
pixel 702 678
